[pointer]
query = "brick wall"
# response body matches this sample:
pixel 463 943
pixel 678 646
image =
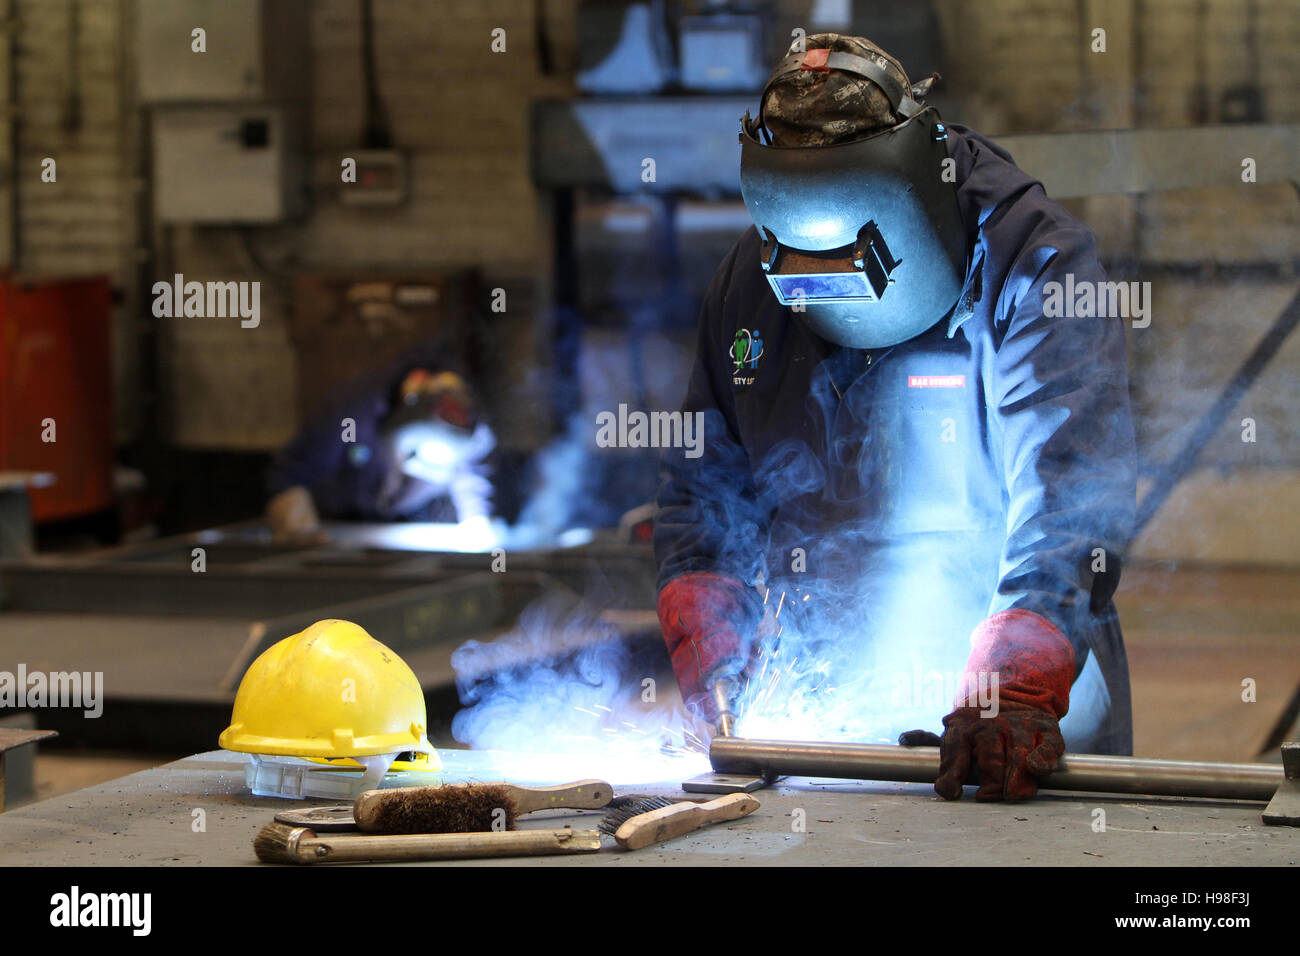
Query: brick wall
pixel 1012 66
pixel 84 222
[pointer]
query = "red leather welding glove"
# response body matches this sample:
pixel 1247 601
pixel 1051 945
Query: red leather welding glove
pixel 704 616
pixel 1018 738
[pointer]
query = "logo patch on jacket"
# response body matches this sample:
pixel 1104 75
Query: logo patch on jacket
pixel 936 381
pixel 746 350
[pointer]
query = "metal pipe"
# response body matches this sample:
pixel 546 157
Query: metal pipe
pixel 1089 772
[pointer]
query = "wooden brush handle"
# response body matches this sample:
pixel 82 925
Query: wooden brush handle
pixel 348 848
pixel 668 822
pixel 584 795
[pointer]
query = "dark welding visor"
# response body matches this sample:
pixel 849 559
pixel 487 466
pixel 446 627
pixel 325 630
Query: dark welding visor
pixel 854 273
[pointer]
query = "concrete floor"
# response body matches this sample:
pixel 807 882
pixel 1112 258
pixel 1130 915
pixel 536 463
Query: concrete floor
pixel 147 819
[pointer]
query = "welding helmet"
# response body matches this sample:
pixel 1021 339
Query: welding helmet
pixel 445 395
pixel 863 240
pixel 434 427
pixel 325 700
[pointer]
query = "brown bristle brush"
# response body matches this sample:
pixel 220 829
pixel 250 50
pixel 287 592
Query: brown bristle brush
pixel 469 808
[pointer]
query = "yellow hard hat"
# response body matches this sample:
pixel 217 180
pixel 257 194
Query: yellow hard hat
pixel 330 692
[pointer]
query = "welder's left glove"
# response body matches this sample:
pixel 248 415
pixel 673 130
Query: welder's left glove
pixel 1015 737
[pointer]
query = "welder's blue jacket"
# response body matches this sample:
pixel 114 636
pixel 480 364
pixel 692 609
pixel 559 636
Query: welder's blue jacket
pixel 908 493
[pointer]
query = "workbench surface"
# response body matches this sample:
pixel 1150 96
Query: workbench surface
pixel 148 819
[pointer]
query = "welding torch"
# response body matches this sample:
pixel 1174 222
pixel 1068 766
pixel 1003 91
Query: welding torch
pixel 724 691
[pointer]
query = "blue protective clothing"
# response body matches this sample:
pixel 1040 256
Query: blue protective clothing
pixel 899 497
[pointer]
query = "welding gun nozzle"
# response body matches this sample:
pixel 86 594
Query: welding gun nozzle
pixel 724 701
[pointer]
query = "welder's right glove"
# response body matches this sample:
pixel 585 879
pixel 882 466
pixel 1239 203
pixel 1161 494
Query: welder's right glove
pixel 705 619
pixel 1018 738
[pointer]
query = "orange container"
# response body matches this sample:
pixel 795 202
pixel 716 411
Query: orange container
pixel 56 366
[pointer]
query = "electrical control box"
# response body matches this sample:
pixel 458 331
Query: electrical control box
pixel 228 98
pixel 225 164
pixel 380 178
pixel 252 50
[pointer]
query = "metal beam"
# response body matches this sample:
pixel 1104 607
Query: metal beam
pixel 603 143
pixel 1106 162
pixel 218 592
pixel 12 739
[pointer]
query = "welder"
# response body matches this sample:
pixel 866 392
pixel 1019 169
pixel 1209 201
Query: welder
pixel 934 472
pixel 408 443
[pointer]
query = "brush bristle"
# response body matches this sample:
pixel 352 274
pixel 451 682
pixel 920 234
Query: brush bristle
pixel 622 809
pixel 272 844
pixel 467 808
